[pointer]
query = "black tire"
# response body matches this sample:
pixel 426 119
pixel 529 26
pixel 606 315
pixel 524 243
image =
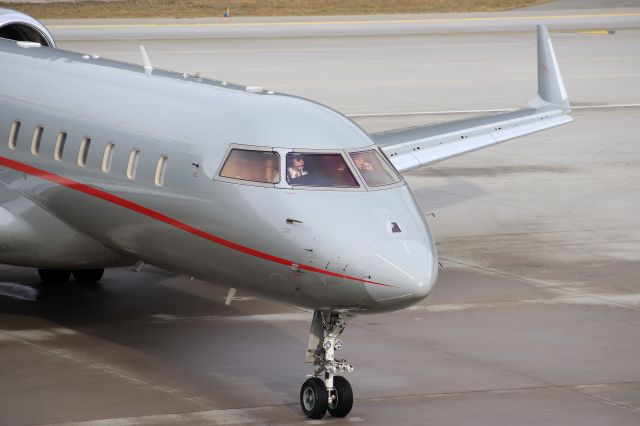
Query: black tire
pixel 54 276
pixel 314 398
pixel 341 405
pixel 88 275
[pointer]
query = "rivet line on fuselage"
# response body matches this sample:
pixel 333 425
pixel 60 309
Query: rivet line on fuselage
pixel 130 205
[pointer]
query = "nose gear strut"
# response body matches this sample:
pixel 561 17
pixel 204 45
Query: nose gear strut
pixel 324 390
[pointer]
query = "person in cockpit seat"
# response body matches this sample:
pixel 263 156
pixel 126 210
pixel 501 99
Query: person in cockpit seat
pixel 364 162
pixel 295 169
pixel 361 162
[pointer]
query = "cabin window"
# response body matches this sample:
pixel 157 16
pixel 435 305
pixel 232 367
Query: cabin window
pixel 160 170
pixel 60 141
pixel 252 165
pixel 84 152
pixel 374 169
pixel 35 142
pixel 13 134
pixel 133 164
pixel 320 170
pixel 106 158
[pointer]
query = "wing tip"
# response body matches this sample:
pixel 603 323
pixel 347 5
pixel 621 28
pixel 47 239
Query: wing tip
pixel 551 89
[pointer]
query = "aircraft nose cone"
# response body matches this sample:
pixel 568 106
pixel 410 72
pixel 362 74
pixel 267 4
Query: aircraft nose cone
pixel 407 268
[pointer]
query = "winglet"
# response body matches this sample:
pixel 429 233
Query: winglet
pixel 551 88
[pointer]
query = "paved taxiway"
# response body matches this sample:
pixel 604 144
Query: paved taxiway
pixel 381 25
pixel 536 316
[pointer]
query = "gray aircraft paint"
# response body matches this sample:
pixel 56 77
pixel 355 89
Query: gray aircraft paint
pixel 339 252
pixel 194 122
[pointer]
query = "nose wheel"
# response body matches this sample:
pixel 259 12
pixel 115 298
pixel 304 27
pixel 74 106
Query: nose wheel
pixel 341 399
pixel 314 398
pixel 325 391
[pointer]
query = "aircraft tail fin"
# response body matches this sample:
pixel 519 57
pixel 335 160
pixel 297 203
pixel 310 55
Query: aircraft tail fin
pixel 551 88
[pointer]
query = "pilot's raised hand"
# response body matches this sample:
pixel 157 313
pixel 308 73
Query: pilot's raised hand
pixel 366 166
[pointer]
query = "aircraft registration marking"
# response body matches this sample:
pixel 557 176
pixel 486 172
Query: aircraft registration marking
pixel 138 208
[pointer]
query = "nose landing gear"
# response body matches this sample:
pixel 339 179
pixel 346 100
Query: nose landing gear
pixel 331 392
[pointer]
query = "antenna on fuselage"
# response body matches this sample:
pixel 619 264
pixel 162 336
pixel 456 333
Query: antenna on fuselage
pixel 230 296
pixel 145 59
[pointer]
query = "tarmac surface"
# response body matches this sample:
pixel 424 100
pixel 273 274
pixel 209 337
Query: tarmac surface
pixel 536 316
pixel 341 26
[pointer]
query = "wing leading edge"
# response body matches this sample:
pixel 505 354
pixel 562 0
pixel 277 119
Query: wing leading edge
pixel 419 146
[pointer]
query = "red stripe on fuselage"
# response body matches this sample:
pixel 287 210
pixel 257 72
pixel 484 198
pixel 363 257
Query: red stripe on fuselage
pixel 97 193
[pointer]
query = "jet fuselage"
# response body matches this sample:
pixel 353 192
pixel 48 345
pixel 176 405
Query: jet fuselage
pixel 116 164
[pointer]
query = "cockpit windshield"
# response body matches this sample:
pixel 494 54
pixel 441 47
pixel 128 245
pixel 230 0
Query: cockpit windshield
pixel 308 169
pixel 250 165
pixel 319 170
pixel 374 169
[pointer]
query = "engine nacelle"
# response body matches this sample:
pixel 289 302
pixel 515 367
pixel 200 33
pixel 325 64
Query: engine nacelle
pixel 20 27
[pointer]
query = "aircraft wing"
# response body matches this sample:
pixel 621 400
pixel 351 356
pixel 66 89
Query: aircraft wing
pixel 415 147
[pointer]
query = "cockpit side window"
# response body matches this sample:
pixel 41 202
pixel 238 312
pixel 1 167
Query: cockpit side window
pixel 255 166
pixel 374 169
pixel 319 170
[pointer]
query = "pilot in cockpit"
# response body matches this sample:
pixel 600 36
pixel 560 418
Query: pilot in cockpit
pixel 295 169
pixel 361 162
pixel 373 168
